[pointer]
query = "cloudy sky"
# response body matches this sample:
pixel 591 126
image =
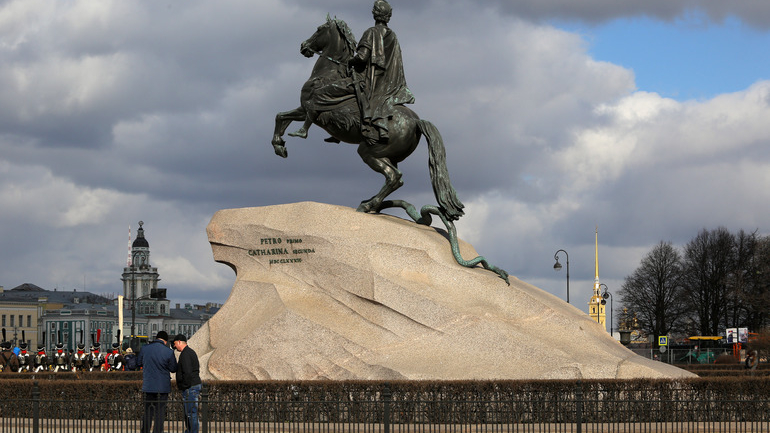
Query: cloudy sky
pixel 646 118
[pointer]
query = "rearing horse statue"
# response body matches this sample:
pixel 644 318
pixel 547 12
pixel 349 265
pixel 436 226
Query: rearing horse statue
pixel 336 45
pixel 341 118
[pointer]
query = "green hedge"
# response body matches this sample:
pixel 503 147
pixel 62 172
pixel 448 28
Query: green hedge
pixel 105 385
pixel 91 395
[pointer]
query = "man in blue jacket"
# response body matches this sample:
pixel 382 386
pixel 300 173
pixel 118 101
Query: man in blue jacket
pixel 158 362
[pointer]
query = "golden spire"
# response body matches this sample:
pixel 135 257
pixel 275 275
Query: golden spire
pixel 596 262
pixel 596 257
pixel 595 306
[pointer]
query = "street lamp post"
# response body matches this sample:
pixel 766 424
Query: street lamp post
pixel 557 266
pixel 154 294
pixel 606 295
pixel 133 305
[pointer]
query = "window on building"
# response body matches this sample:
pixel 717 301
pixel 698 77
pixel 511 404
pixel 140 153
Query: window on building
pixel 162 309
pixel 29 321
pixel 66 325
pixel 3 319
pixel 12 318
pixel 21 320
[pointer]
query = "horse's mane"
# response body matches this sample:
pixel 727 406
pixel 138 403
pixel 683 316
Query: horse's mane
pixel 346 33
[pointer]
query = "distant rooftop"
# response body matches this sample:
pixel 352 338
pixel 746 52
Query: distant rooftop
pixel 31 293
pixel 29 287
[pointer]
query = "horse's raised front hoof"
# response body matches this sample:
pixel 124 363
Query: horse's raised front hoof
pixel 280 150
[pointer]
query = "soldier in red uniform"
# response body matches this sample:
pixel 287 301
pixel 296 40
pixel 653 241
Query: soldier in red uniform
pixel 41 361
pixel 60 360
pixel 96 358
pixel 25 360
pixel 79 359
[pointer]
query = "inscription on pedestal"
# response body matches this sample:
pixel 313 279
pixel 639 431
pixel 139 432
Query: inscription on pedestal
pixel 281 250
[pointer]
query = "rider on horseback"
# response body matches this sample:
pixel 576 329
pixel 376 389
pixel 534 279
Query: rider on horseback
pixel 382 86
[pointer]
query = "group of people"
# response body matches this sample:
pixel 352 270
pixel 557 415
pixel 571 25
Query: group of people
pixel 157 360
pixel 22 360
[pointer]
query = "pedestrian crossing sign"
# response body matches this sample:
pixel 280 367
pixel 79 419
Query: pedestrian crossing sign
pixel 662 340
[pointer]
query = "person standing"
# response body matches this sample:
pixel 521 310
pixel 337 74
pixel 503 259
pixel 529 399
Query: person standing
pixel 130 360
pixel 8 360
pixel 158 362
pixel 188 381
pixel 25 360
pixel 60 358
pixel 114 361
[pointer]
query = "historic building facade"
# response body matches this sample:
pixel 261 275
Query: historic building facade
pixel 73 317
pixel 146 308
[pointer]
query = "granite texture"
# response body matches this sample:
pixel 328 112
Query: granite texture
pixel 364 296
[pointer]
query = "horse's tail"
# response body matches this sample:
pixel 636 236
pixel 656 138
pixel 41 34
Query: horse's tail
pixel 439 175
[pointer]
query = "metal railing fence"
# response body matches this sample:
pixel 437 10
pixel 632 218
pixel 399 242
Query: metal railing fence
pixel 678 410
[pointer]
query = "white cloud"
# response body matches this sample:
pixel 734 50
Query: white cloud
pixel 35 193
pixel 115 111
pixel 183 273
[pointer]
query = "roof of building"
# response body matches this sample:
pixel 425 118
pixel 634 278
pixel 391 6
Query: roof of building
pixel 140 240
pixel 31 293
pixel 28 287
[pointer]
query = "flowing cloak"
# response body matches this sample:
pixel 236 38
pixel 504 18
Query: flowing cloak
pixel 385 84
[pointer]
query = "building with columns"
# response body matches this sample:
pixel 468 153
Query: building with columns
pixel 47 317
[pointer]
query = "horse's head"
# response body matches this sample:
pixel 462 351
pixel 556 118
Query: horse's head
pixel 332 38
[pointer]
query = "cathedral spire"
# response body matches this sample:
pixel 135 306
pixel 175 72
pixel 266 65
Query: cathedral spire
pixel 596 261
pixel 595 306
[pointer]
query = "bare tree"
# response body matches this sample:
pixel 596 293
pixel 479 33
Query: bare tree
pixel 654 291
pixel 750 282
pixel 709 261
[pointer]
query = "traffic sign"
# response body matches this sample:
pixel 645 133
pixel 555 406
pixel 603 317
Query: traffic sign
pixel 662 340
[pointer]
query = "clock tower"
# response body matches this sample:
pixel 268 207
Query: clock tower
pixel 140 279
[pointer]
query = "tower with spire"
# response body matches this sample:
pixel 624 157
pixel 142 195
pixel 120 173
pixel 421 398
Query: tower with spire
pixel 140 279
pixel 595 305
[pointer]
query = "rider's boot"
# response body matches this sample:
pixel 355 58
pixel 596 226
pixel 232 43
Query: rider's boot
pixel 380 125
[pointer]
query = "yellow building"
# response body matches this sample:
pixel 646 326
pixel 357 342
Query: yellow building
pixel 596 304
pixel 19 316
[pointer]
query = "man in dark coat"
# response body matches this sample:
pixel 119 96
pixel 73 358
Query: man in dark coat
pixel 188 381
pixel 8 360
pixel 158 362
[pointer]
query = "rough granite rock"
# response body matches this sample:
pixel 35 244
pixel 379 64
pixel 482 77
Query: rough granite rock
pixel 325 292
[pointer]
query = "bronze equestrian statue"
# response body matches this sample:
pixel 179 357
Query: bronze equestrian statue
pixel 357 93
